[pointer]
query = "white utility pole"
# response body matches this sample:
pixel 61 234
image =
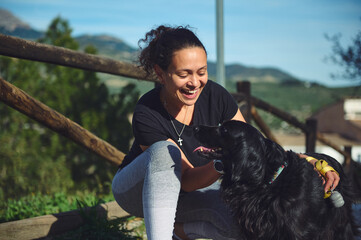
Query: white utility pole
pixel 221 75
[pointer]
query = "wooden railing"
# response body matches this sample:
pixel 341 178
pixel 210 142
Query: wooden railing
pixel 18 99
pixel 24 49
pixel 309 128
pixel 21 101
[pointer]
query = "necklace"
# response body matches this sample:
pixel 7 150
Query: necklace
pixel 180 140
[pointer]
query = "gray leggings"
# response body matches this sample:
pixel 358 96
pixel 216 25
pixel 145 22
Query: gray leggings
pixel 149 187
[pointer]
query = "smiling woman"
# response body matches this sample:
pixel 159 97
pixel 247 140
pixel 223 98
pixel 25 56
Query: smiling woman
pixel 162 179
pixel 183 82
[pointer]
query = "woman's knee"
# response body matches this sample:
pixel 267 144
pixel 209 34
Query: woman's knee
pixel 164 155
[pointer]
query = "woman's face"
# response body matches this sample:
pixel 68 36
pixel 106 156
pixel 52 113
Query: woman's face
pixel 185 77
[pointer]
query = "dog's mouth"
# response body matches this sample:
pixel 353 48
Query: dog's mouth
pixel 212 153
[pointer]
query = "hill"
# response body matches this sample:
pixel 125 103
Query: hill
pixel 109 46
pixel 239 72
pixel 11 25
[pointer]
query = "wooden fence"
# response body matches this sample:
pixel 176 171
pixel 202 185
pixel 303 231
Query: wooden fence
pixel 16 98
pixel 55 224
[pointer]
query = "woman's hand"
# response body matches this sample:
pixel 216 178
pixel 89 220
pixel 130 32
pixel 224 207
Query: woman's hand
pixel 330 180
pixel 194 178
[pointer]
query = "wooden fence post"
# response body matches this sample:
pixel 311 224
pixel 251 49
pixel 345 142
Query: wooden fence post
pixel 311 134
pixel 348 157
pixel 262 125
pixel 245 88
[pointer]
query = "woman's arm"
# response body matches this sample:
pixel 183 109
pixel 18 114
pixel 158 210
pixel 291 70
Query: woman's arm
pixel 239 116
pixel 194 178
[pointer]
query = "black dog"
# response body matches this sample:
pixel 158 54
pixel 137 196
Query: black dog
pixel 288 206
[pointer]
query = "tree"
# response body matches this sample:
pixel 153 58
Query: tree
pixel 347 57
pixel 33 159
pixel 59 34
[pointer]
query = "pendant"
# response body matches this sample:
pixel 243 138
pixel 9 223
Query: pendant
pixel 180 141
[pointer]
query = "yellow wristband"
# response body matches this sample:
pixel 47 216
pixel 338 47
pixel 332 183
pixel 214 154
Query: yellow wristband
pixel 323 167
pixel 310 159
pixel 320 164
pixel 324 170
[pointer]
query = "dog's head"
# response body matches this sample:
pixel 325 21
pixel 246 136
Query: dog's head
pixel 241 147
pixel 230 137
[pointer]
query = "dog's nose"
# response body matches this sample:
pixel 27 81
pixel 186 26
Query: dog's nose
pixel 196 129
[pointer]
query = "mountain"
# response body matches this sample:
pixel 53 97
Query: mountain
pixel 108 46
pixel 11 25
pixel 116 48
pixel 239 72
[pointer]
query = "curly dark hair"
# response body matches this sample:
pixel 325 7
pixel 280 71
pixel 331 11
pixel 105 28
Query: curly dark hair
pixel 162 42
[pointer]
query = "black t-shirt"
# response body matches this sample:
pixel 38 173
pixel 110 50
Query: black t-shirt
pixel 151 122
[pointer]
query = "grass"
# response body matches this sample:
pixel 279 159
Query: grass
pixel 98 227
pixel 94 227
pixel 38 205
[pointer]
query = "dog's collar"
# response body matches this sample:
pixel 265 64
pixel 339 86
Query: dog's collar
pixel 277 173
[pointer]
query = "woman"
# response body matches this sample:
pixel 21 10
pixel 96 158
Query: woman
pixel 161 179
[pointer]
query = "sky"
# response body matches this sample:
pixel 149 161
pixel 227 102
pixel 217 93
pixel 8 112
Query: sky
pixel 286 34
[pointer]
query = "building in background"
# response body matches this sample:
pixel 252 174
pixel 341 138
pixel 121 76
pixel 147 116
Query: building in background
pixel 343 118
pixel 340 123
